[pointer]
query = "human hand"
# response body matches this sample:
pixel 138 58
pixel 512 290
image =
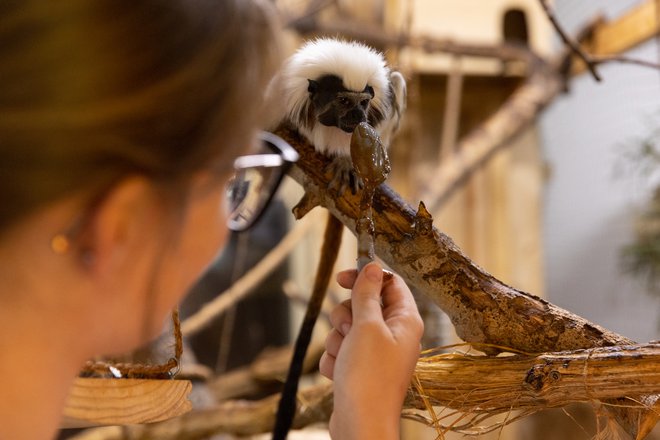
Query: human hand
pixel 370 354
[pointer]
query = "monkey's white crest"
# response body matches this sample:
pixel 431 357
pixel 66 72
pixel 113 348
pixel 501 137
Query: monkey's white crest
pixel 317 83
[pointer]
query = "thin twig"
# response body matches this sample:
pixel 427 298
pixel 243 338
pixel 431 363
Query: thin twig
pixel 575 47
pixel 602 59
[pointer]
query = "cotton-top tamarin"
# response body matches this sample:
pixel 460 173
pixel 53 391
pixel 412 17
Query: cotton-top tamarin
pixel 325 90
pixel 329 86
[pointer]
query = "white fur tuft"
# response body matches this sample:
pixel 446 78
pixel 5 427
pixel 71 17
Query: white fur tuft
pixel 358 66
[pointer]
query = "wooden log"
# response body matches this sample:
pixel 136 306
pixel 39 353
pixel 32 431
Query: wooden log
pixel 493 385
pixel 482 308
pixel 96 402
pixel 477 388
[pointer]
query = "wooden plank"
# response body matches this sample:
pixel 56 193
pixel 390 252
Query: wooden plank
pixel 96 402
pixel 615 37
pixel 631 29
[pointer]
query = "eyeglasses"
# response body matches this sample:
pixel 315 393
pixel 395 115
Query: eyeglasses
pixel 256 179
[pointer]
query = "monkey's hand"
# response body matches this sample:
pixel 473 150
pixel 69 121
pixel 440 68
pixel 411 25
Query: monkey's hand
pixel 343 176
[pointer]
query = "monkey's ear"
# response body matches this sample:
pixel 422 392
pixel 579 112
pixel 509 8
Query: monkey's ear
pixel 313 86
pixel 370 90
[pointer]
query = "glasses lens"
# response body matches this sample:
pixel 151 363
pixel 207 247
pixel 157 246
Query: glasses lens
pixel 248 192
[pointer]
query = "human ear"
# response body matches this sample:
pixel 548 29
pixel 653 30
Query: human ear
pixel 118 225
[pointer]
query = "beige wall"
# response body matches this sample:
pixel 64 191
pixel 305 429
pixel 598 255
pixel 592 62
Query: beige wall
pixel 469 21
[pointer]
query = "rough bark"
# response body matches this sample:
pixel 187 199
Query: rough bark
pixel 495 385
pixel 482 308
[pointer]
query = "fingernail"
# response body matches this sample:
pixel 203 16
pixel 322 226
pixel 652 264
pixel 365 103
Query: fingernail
pixel 373 272
pixel 345 327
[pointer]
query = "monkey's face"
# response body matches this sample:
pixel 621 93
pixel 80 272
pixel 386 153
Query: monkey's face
pixel 336 106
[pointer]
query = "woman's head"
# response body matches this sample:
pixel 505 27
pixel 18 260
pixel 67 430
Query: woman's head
pixel 115 112
pixel 94 91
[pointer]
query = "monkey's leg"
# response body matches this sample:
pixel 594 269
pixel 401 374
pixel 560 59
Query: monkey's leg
pixel 287 406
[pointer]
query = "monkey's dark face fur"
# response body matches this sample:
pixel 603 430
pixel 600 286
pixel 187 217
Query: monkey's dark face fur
pixel 329 86
pixel 333 105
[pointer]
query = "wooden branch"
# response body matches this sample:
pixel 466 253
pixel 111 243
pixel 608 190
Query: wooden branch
pixel 569 42
pixel 95 402
pixel 520 111
pixel 606 41
pixel 481 308
pixel 622 59
pixel 494 385
pixel 634 27
pixel 478 385
pixel 380 37
pixel 476 388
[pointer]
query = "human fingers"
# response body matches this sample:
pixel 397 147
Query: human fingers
pixel 346 278
pixel 333 342
pixel 400 309
pixel 327 365
pixel 397 294
pixel 341 317
pixel 365 297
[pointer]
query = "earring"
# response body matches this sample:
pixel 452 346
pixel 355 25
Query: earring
pixel 60 244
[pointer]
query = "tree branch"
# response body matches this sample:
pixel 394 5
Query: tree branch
pixel 482 308
pixel 477 386
pixel 475 150
pixel 590 60
pixel 378 36
pixel 496 385
pixel 568 41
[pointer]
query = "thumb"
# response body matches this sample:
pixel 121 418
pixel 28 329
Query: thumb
pixel 366 295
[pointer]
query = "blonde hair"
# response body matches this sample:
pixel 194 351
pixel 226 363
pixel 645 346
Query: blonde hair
pixel 91 91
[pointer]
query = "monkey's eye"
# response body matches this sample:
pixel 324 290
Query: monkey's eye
pixel 364 103
pixel 344 101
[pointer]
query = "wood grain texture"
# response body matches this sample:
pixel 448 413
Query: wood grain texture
pixel 96 402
